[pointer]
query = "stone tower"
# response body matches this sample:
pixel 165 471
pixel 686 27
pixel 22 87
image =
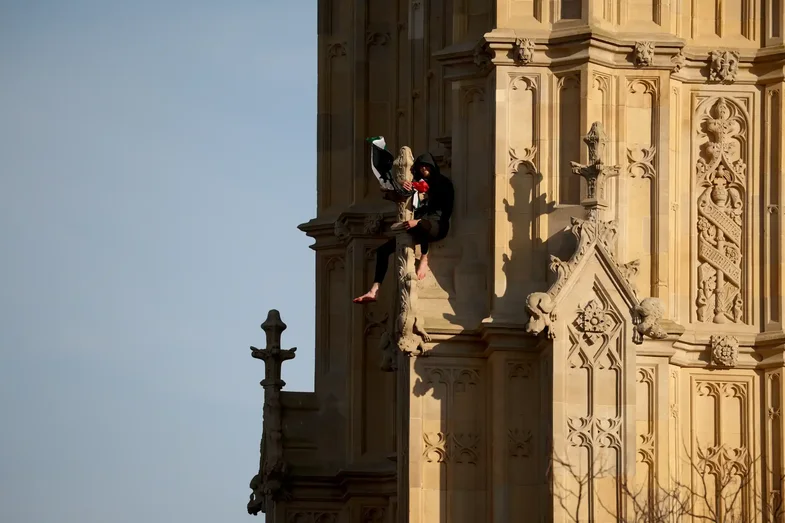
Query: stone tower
pixel 605 318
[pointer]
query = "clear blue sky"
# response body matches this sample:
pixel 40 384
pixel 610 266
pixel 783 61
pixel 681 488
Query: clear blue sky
pixel 149 155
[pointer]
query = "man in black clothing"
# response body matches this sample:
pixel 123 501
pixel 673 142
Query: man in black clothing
pixel 431 221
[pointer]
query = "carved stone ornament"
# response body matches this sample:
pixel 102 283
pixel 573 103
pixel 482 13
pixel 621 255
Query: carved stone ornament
pixel 409 328
pixel 380 39
pixel 643 54
pixel 268 484
pixel 373 224
pixel 453 448
pixel 721 180
pixel 723 66
pixel 640 162
pixel 678 60
pixel 594 320
pixel 593 235
pixel 482 58
pixel 649 314
pixel 524 50
pixel 341 229
pixel 596 172
pixel 724 351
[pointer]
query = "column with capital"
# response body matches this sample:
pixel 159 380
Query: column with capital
pixel 268 483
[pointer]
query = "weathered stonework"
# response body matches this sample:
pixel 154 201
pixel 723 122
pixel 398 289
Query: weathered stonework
pixel 643 54
pixel 609 301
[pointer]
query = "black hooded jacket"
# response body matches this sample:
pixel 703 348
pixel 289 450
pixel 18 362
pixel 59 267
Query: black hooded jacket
pixel 441 195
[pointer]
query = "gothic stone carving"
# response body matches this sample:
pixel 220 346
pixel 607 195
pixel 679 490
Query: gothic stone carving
pixel 541 315
pixel 483 59
pixel 268 483
pixel 678 60
pixel 649 313
pixel 643 54
pixel 596 172
pixel 723 66
pixel 341 229
pixel 721 178
pixel 409 332
pixel 641 162
pixel 594 320
pixel 594 351
pixel 524 50
pixel 458 448
pixel 519 442
pixel 589 232
pixel 646 438
pixel 373 223
pixel 724 351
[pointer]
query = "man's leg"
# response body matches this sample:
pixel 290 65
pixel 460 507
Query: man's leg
pixel 382 262
pixel 422 267
pixel 423 234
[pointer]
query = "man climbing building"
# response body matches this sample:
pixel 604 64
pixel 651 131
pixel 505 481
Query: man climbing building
pixel 431 221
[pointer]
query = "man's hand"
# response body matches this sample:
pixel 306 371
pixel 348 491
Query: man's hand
pixel 407 186
pixel 410 224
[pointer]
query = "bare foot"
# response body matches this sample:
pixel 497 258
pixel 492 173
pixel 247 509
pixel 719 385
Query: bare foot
pixel 368 297
pixel 422 268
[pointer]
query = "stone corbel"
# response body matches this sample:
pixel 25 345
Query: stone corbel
pixel 269 484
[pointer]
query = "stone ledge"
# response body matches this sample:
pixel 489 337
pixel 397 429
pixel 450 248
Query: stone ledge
pixel 579 45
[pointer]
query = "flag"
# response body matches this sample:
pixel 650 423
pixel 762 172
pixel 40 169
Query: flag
pixel 382 162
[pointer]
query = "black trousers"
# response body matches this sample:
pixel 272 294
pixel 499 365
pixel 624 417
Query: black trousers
pixel 421 236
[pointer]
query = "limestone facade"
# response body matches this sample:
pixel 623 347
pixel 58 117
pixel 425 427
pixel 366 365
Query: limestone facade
pixel 596 345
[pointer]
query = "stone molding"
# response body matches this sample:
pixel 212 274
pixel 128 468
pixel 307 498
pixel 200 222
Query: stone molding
pixel 693 64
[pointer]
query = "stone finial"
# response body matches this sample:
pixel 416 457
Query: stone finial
pixel 269 482
pixel 272 355
pixel 596 172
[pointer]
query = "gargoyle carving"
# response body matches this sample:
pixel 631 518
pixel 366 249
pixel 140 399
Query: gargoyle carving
pixel 408 332
pixel 649 313
pixel 540 307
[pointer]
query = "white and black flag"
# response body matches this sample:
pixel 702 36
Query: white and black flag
pixel 382 162
pixel 382 165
